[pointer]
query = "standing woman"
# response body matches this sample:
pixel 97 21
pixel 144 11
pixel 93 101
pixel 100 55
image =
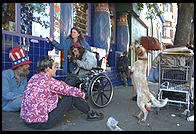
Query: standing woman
pixel 75 36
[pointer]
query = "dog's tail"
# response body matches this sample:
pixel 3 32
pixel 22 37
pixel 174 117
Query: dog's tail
pixel 156 103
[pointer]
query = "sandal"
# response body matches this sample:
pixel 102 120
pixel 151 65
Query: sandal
pixel 94 116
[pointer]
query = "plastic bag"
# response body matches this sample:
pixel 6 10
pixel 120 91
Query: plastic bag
pixel 113 124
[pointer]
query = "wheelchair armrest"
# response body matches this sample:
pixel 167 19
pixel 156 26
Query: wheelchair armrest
pixel 97 68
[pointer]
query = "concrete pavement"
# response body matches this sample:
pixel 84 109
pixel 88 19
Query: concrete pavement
pixel 169 118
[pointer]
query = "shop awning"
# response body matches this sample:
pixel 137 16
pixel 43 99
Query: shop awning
pixel 150 43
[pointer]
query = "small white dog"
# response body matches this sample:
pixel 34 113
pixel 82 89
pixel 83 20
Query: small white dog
pixel 138 77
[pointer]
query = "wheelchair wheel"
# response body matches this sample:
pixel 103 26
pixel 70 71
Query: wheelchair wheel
pixel 100 90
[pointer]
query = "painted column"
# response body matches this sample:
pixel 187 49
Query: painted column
pixel 102 26
pixel 66 20
pixel 66 23
pixel 123 36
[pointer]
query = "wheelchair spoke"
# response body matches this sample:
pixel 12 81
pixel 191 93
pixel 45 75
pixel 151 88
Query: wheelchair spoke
pixel 99 88
pixel 95 93
pixel 100 95
pixel 105 85
pixel 101 91
pixel 97 97
pixel 105 96
pixel 101 98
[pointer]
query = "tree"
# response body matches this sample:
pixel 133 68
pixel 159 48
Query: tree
pixel 27 16
pixel 183 29
pixel 183 35
pixel 151 13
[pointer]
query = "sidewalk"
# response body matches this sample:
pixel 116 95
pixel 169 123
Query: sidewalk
pixel 169 118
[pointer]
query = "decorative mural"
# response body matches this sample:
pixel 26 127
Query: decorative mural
pixel 8 16
pixel 102 26
pixel 80 14
pixel 123 36
pixel 35 19
pixel 66 19
pixel 57 25
pixel 107 27
pixel 136 29
pixel 66 24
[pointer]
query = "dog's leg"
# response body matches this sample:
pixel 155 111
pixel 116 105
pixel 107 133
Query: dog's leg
pixel 133 82
pixel 145 115
pixel 141 105
pixel 139 116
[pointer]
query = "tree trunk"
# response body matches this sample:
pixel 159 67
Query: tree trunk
pixel 183 29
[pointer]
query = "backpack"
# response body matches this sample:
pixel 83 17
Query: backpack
pixel 72 80
pixel 121 64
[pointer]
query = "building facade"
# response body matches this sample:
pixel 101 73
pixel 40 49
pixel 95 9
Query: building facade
pixel 170 11
pixel 109 28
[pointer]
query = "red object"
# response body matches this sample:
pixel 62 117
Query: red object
pixel 62 56
pixel 147 108
pixel 57 9
pixel 150 43
pixel 17 57
pixel 76 45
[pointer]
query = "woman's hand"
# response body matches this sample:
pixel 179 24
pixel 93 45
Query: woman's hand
pixel 74 61
pixel 69 57
pixel 50 39
pixel 60 97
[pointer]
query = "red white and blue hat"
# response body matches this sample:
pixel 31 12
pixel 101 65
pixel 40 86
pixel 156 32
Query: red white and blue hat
pixel 18 57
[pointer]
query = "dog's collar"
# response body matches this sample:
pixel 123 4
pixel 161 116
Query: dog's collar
pixel 142 58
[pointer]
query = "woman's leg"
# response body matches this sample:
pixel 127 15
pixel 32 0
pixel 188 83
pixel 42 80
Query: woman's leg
pixel 63 106
pixel 124 77
pixel 81 105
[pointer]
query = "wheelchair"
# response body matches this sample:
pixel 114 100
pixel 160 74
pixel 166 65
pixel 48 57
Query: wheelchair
pixel 97 87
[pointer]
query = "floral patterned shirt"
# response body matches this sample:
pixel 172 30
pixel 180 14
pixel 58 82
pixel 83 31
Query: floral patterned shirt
pixel 41 97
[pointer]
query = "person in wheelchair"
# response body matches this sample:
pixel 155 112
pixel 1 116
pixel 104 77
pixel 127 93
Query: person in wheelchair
pixel 46 99
pixel 94 83
pixel 84 59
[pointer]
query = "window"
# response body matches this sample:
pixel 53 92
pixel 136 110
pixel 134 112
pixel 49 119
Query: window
pixel 166 7
pixel 167 24
pixel 81 16
pixel 166 32
pixel 35 19
pixel 8 16
pixel 172 10
pixel 171 33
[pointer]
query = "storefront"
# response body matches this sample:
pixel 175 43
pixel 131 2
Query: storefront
pixel 107 29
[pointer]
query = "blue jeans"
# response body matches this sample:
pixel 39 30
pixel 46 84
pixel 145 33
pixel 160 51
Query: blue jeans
pixel 13 106
pixel 124 76
pixel 63 106
pixel 153 75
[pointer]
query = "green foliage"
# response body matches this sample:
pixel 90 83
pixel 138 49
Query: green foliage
pixel 151 12
pixel 140 6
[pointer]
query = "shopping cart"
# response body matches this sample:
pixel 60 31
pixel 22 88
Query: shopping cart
pixel 175 72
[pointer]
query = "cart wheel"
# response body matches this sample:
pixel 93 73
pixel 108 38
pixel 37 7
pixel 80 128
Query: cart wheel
pixel 100 90
pixel 188 114
pixel 191 107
